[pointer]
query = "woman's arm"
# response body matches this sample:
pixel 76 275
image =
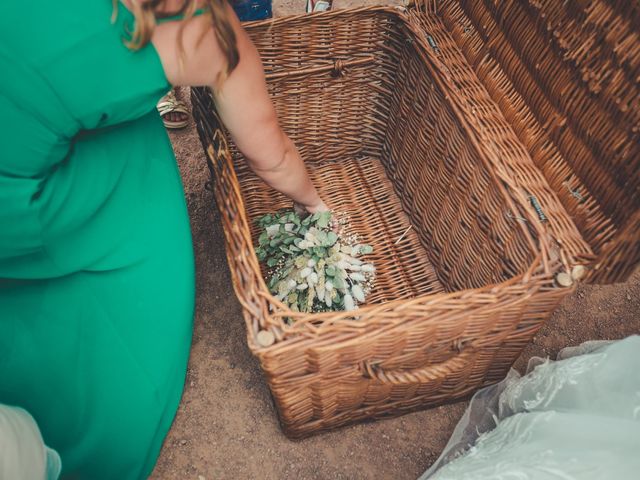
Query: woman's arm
pixel 242 101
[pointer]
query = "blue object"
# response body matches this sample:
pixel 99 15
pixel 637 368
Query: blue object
pixel 248 10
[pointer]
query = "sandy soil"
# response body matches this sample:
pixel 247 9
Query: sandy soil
pixel 226 427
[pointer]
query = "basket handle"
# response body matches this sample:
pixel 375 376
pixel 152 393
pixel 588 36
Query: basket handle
pixel 337 68
pixel 426 374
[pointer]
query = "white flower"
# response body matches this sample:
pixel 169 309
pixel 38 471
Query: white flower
pixel 273 229
pixel 305 272
pixel 357 293
pixel 358 277
pixel 351 260
pixel 328 286
pixel 348 303
pixel 328 299
pixel 310 238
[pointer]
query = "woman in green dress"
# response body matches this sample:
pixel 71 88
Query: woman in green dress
pixel 96 263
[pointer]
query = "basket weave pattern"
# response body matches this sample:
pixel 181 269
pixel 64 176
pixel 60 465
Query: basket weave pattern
pixel 566 78
pixel 399 134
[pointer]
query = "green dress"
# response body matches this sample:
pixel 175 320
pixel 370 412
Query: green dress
pixel 96 261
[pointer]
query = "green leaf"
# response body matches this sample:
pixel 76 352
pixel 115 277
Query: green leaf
pixel 339 282
pixel 272 262
pixel 332 238
pixel 321 237
pixel 323 219
pixel 337 299
pixel 366 249
pixel 330 270
pixel 266 219
pixel 320 251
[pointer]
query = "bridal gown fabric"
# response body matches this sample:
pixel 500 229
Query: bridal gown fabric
pixel 575 418
pixel 96 261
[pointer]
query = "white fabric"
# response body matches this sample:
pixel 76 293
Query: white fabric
pixel 23 454
pixel 577 418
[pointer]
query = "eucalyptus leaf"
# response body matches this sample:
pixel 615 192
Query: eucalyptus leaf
pixel 312 269
pixel 332 238
pixel 323 219
pixel 339 282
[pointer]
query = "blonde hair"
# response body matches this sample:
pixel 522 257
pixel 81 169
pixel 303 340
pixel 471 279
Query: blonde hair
pixel 146 16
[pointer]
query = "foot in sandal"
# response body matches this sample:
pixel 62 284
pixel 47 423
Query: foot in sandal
pixel 174 112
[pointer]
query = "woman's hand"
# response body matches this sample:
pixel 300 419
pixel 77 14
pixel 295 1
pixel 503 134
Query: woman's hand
pixel 304 210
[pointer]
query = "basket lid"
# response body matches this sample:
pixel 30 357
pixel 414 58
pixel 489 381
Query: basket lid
pixel 567 77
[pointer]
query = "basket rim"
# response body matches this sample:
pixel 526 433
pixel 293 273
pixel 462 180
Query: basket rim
pixel 303 320
pixel 538 275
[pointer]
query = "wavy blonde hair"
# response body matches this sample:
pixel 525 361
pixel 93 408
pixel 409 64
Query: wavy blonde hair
pixel 147 12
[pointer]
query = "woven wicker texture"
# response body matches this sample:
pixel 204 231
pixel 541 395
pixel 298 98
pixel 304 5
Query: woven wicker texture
pixel 381 112
pixel 565 75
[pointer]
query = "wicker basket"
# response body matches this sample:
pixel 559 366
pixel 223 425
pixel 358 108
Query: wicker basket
pixel 505 136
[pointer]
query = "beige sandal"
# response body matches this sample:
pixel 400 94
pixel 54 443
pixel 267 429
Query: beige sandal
pixel 170 104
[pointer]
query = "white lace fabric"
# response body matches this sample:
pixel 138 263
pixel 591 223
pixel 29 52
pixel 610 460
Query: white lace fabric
pixel 577 418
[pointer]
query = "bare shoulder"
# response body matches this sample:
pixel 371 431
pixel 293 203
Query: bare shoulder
pixel 190 52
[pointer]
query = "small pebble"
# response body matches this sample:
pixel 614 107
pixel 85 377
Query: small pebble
pixel 628 296
pixel 183 442
pixel 200 477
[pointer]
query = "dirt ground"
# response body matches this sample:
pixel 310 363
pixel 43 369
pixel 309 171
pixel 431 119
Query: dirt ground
pixel 226 427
